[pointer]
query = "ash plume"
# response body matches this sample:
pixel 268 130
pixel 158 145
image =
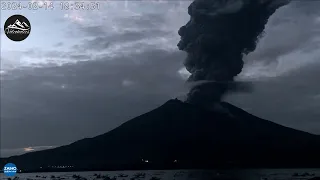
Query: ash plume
pixel 217 36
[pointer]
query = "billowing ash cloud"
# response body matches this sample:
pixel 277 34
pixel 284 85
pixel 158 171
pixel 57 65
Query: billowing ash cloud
pixel 216 37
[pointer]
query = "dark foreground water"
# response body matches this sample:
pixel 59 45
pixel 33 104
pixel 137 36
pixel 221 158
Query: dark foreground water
pixel 250 174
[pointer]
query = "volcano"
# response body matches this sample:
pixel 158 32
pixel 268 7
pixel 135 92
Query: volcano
pixel 181 135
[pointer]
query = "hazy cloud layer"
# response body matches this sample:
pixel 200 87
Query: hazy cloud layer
pixel 291 42
pixel 89 97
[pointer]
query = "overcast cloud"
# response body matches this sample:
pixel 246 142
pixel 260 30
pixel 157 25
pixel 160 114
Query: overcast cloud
pixel 97 73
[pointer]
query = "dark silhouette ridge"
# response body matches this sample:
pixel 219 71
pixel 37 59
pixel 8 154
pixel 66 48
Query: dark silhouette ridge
pixel 181 135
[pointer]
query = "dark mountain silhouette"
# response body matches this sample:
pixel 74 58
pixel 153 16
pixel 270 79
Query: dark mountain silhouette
pixel 181 135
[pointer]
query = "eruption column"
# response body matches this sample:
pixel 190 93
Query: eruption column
pixel 216 37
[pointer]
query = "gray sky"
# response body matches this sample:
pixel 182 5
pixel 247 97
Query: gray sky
pixel 82 73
